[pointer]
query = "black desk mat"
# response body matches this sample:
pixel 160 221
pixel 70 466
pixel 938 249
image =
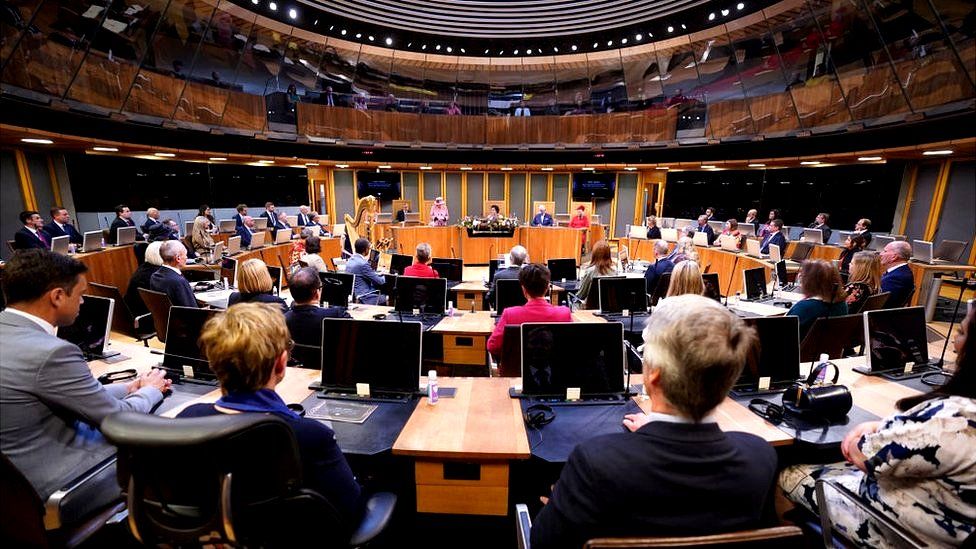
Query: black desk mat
pixel 182 393
pixel 819 434
pixel 374 436
pixel 574 424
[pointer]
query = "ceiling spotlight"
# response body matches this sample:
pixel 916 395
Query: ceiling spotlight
pixel 389 41
pixel 609 42
pixel 370 37
pixel 502 52
pixel 217 159
pixel 711 16
pixel 384 166
pixel 426 168
pixel 555 49
pixel 486 52
pixel 670 28
pixel 449 49
pixel 757 165
pixel 595 45
pixel 684 27
pixel 423 47
pixel 707 167
pixel 273 6
pixel 307 164
pixel 316 22
pixel 106 149
pixel 37 141
pixel 437 47
pixel 164 155
pixel 926 153
pixel 573 47
pixel 868 158
pixel 725 13
pixel 255 2
pixel 638 37
pixel 341 166
pixel 528 52
pixel 515 52
pixel 662 168
pixel 462 50
pixel 293 13
pixel 740 6
pixel 588 168
pixel 343 32
pixel 623 40
pixel 809 162
pixel 359 35
pixel 631 168
pixel 266 161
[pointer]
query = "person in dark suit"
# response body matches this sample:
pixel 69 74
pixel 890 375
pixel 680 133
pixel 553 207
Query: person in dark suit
pixel 821 223
pixel 662 265
pixel 304 319
pixel 863 228
pixel 685 475
pixel 247 348
pixel 542 219
pixel 168 279
pixel 142 278
pixel 123 218
pixel 30 236
pixel 774 236
pixel 401 215
pixel 152 223
pixel 653 231
pixel 270 213
pixel 239 216
pixel 166 229
pixel 245 230
pixel 369 284
pixel 304 217
pixel 897 277
pixel 60 225
pixel 254 285
pixel 704 227
pixel 516 258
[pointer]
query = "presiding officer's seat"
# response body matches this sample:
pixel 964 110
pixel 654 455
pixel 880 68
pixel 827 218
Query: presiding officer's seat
pixel 235 479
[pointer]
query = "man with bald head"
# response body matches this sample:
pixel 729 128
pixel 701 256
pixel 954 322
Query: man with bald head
pixel 897 278
pixel 152 221
pixel 245 230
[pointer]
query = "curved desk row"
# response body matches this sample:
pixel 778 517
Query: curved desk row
pixel 542 243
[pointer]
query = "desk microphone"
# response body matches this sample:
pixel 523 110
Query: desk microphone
pixel 453 255
pixel 731 277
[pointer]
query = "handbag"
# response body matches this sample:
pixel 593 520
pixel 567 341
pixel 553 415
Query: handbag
pixel 826 400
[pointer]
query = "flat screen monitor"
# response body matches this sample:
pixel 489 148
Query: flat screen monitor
pixel 125 235
pixel 382 185
pixel 562 269
pixel 508 293
pixel 257 240
pixel 492 267
pixel 349 355
pixel 777 353
pixel 228 271
pixel 553 360
pixel 895 337
pixel 275 274
pixel 59 244
pixel 234 245
pixel 617 294
pixel 428 295
pixel 182 353
pixel 260 223
pixel 781 274
pixel 336 288
pixel 92 241
pixel 594 185
pixel 712 288
pixel 227 225
pixel 399 262
pixel 451 269
pixel 91 329
pixel 754 282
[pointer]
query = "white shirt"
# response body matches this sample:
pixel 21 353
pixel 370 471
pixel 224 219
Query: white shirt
pixel 45 325
pixel 895 267
pixel 668 418
pixel 523 111
pixel 60 226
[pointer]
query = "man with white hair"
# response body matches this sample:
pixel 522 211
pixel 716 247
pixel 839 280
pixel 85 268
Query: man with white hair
pixel 169 279
pixel 245 231
pixel 152 221
pixel 897 278
pixel 684 475
pixel 662 265
pixel 517 257
pixel 542 219
pixel 704 227
pixel 304 217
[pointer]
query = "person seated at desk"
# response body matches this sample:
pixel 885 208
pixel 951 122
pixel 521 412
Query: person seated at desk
pixel 30 236
pixel 601 264
pixel 653 231
pixel 298 246
pixel 152 221
pixel 281 223
pixel 704 227
pixel 684 475
pixel 709 213
pixel 864 280
pixel 915 466
pixel 247 348
pixel 752 218
pixel 123 218
pixel 686 278
pixel 542 219
pixel 661 266
pixel 166 229
pixel 516 258
pixel 50 402
pixel 202 240
pixel 421 266
pixel 304 217
pixel 766 229
pixel 311 257
pixel 774 235
pixel 897 278
pixel 317 222
pixel 142 278
pixel 239 216
pixel 438 213
pixel 823 294
pixel 304 318
pixel 684 250
pixel 821 223
pixel 453 109
pixel 863 228
pixel 731 230
pixel 369 284
pixel 254 285
pixel 169 279
pixel 60 225
pixel 534 279
pixel 271 215
pixel 853 244
pixel 522 110
pixel 246 230
pixel 401 215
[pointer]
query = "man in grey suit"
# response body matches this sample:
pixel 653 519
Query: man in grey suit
pixel 516 258
pixel 368 282
pixel 50 404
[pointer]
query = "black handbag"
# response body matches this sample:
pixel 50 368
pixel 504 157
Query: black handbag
pixel 826 400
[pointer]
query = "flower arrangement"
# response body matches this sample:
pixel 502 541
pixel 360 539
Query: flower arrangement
pixel 497 223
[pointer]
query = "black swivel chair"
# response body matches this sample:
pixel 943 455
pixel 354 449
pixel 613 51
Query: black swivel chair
pixel 123 320
pixel 833 336
pixel 242 487
pixel 158 304
pixel 801 251
pixel 307 356
pixel 661 290
pixel 875 302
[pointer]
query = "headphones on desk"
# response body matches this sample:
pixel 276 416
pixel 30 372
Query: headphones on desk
pixel 538 415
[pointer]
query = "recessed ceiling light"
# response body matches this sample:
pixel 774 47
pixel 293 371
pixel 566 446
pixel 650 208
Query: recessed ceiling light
pixel 740 6
pixel 809 162
pixel 938 152
pixel 371 38
pixel 466 168
pixel 166 155
pixel 310 164
pixel 389 41
pixel 293 13
pixel 588 168
pixel 359 35
pixel 462 50
pixel 273 6
pixel 106 149
pixel 725 13
pixel 340 166
pixel 515 52
pixel 609 42
pixel 37 141
pixel 450 49
pixel 663 168
pixel 506 169
pixel 631 168
pixel 343 32
pixel 638 37
pixel 486 52
pixel 711 16
pixel 266 161
pixel 707 167
pixel 384 166
pixel 255 2
pixel 684 27
pixel 623 40
pixel 573 47
pixel 869 158
pixel 437 47
pixel 757 165
pixel 547 169
pixel 217 158
pixel 426 168
pixel 595 45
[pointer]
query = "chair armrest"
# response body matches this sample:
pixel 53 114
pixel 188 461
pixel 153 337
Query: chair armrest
pixel 52 508
pixel 137 323
pixel 906 538
pixel 523 524
pixel 379 511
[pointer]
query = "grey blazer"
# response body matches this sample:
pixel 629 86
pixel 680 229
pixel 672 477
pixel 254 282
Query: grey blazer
pixel 51 405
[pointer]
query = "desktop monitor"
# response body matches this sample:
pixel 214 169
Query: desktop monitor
pixel 412 217
pixel 669 234
pixel 753 248
pixel 508 293
pixel 228 271
pixel 747 229
pixel 282 236
pixel 399 262
pixel 450 269
pixel 275 273
pixel 260 223
pixel 227 225
pixel 59 244
pixel 125 235
pixel 617 294
pixel 717 226
pixel 553 360
pixel 234 245
pixel 712 288
pixel 894 337
pixel 182 353
pixel 700 239
pixel 814 236
pixel 781 274
pixel 257 240
pixel 91 329
pixel 776 354
pixel 562 269
pixel 775 253
pixel 336 288
pixel 492 267
pixel 754 282
pixel 879 241
pixel 92 241
pixel 949 251
pixel 349 355
pixel 428 295
pixel 922 251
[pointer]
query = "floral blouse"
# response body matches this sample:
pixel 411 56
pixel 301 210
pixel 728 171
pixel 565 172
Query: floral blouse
pixel 857 294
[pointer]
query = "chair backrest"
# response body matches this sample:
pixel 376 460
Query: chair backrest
pixel 832 336
pixel 240 482
pixel 122 319
pixel 21 508
pixel 778 536
pixel 801 251
pixel 307 356
pixel 875 302
pixel 510 363
pixel 158 304
pixel 10 246
pixel 830 494
pixel 893 304
pixel 661 290
pixel 508 293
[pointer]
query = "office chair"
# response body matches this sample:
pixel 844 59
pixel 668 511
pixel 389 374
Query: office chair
pixel 832 336
pixel 123 320
pixel 893 532
pixel 801 251
pixel 241 484
pixel 307 356
pixel 158 304
pixel 875 302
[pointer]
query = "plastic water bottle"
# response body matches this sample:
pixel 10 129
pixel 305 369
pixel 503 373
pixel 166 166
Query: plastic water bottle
pixel 432 387
pixel 450 308
pixel 824 358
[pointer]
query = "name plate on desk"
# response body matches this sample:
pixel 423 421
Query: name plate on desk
pixel 362 389
pixel 572 393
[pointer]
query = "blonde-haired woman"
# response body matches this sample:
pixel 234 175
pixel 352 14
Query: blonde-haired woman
pixel 686 278
pixel 200 238
pixel 684 250
pixel 254 285
pixel 601 264
pixel 864 280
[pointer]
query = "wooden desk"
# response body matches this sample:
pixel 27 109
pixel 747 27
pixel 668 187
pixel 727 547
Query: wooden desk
pixel 924 273
pixel 481 426
pixel 465 337
pixel 826 252
pixel 111 266
pixel 478 250
pixel 470 295
pixel 544 243
pixel 444 241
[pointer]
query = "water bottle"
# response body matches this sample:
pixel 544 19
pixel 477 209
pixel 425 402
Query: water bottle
pixel 824 358
pixel 432 387
pixel 450 308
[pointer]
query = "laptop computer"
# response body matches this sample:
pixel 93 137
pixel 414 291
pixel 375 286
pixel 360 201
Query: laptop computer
pixel 680 223
pixel 276 275
pixel 782 277
pixel 125 236
pixel 700 239
pixel 283 236
pixel 227 225
pixel 92 241
pixel 553 361
pixel 218 252
pixel 665 222
pixel 879 241
pixel 183 359
pixel 669 235
pixel 949 251
pixel 59 244
pixel 774 364
pixel 752 248
pixel 896 346
pixel 260 223
pixel 812 235
pixel 383 265
pixel 412 217
pixel 747 229
pixel 622 294
pixel 257 240
pixel 349 359
pixel 712 288
pixel 775 253
pixel 234 245
pixel 717 226
pixel 399 262
pixel 842 236
pixel 228 272
pixel 292 220
pixel 92 327
pixel 420 299
pixel 637 231
pixel 754 284
pixel 729 243
pixel 448 268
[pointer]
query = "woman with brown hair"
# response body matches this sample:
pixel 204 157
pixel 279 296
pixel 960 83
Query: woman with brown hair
pixel 601 264
pixel 854 243
pixel 823 294
pixel 203 243
pixel 864 280
pixel 686 278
